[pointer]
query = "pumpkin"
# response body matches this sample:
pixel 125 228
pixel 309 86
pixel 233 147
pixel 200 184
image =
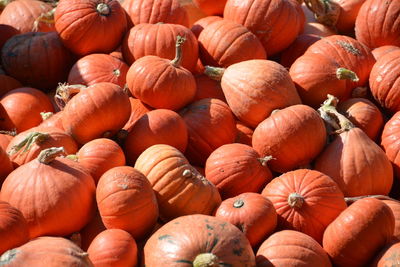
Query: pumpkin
pixel 383 81
pixel 252 213
pixel 162 83
pixel 208 88
pixel 317 29
pixel 180 189
pixel 292 136
pixel 383 50
pixel 244 133
pixel 210 124
pixel 99 110
pixel 23 106
pixel 126 201
pixel 394 205
pixel 91 230
pixel 90 26
pixel 390 144
pixel 5 139
pixel 237 168
pixel 235 43
pixel 51 120
pixel 154 11
pixel 96 68
pixel 54 194
pixel 263 85
pixel 211 7
pixel 36 59
pixel 276 23
pixel 100 155
pixel 138 109
pixel 299 198
pixel 388 255
pixel 13 227
pixel 199 25
pixel 113 247
pixel 356 163
pixel 6 32
pixel 8 83
pixel 297 48
pixel 6 165
pixel 46 251
pixel 291 248
pixel 160 126
pixel 369 225
pixel 376 23
pixel 160 40
pixel 198 240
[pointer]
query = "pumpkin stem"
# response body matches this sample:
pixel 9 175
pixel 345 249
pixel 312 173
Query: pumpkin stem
pixel 46 17
pixel 72 157
pixel 29 140
pixel 345 74
pixel 325 11
pixel 4 3
pixel 295 200
pixel 46 115
pixel 351 200
pixel 64 93
pixel 48 155
pixel 176 62
pixel 117 72
pixel 12 132
pixel 8 256
pixel 275 111
pixel 238 203
pixel 359 92
pixel 103 9
pixel 265 160
pixel 206 260
pixel 214 73
pixel 187 173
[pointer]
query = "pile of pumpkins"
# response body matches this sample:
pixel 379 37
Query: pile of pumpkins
pixel 199 133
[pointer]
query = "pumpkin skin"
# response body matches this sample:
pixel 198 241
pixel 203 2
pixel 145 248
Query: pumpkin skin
pixel 394 205
pixel 99 156
pixel 369 225
pixel 293 136
pixel 275 23
pixel 193 235
pixel 160 126
pixel 388 255
pixel 46 251
pixel 383 50
pixel 199 25
pixel 91 230
pixel 154 11
pixel 376 23
pixel 113 247
pixel 8 83
pixel 6 32
pixel 6 166
pixel 235 43
pixel 244 133
pixel 252 213
pixel 98 109
pixel 210 124
pixel 208 88
pixel 51 206
pixel 237 168
pixel 291 248
pixel 5 139
pixel 13 227
pixel 297 48
pixel 176 182
pixel 23 106
pixel 127 201
pixel 317 29
pixel 95 68
pixel 36 59
pixel 254 88
pixel 138 109
pixel 299 198
pixel 211 7
pixel 358 165
pixel 53 121
pixel 389 142
pixel 159 40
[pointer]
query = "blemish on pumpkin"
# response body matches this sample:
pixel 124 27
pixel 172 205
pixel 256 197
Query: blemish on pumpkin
pixel 167 238
pixel 238 252
pixel 184 261
pixel 209 227
pixel 223 225
pixel 215 241
pixel 123 186
pixel 349 48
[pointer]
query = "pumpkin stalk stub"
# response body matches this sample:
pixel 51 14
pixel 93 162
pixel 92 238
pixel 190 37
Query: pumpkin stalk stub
pixel 46 115
pixel 238 203
pixel 206 260
pixel 265 160
pixel 295 200
pixel 103 9
pixel 326 12
pixel 214 73
pixel 48 155
pixel 8 256
pixel 176 62
pixel 34 137
pixel 64 92
pixel 345 74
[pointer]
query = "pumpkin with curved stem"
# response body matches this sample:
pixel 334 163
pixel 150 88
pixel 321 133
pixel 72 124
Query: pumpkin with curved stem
pixel 113 247
pixel 198 240
pixel 138 109
pixel 389 142
pixel 291 248
pixel 299 198
pixel 383 50
pixel 126 201
pixel 369 225
pixel 293 137
pixel 180 189
pixel 80 22
pixel 237 168
pixel 252 213
pixel 199 25
pixel 8 83
pixel 208 88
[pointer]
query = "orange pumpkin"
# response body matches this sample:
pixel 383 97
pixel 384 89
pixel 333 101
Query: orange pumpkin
pixel 5 139
pixel 6 166
pixel 138 109
pixel 244 133
pixel 388 255
pixel 383 50
pixel 91 230
pixel 394 205
pixel 211 7
pixel 297 48
pixel 200 24
pixel 208 88
pixel 8 83
pixel 389 142
pixel 6 32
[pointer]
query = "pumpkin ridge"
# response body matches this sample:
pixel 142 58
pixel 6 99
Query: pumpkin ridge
pixel 232 44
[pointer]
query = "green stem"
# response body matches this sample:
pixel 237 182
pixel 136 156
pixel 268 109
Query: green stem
pixel 345 74
pixel 351 200
pixel 64 93
pixel 176 62
pixel 48 155
pixel 214 73
pixel 29 140
pixel 332 117
pixel 326 12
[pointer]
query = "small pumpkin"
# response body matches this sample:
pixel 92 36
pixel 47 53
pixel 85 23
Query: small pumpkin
pixel 199 25
pixel 210 7
pixel 208 88
pixel 94 227
pixel 8 83
pixel 318 29
pixel 297 48
pixel 244 133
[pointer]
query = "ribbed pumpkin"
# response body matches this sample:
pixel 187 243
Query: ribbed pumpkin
pixel 297 48
pixel 13 228
pixel 389 142
pixel 369 225
pixel 252 213
pixel 198 240
pixel 160 40
pixel 237 168
pixel 162 83
pixel 6 165
pixel 46 251
pixel 180 189
pixel 126 201
pixel 36 59
pixel 8 83
pixel 138 109
pixel 235 43
pixel 263 85
pixel 276 23
pixel 388 255
pixel 113 247
pixel 53 193
pixel 299 198
pixel 291 248
pixel 200 24
pixel 293 137
pixel 208 88
pixel 210 124
pixel 160 126
pixel 383 50
pixel 90 26
pixel 95 68
pixel 244 133
pixel 99 110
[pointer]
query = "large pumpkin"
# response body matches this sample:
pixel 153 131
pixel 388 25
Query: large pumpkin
pixel 198 240
pixel 389 142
